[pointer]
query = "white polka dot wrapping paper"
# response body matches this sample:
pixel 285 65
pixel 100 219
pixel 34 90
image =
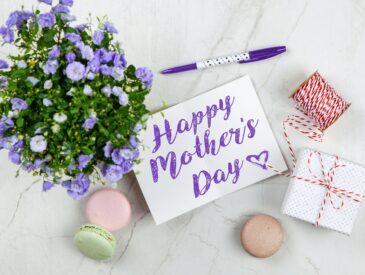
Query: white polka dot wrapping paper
pixel 305 200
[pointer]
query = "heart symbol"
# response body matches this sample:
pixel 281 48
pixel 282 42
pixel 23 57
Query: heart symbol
pixel 260 159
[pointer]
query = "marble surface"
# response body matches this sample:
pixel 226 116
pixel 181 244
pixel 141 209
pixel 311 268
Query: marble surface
pixel 36 229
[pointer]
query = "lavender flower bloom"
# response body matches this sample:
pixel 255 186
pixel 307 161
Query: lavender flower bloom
pixel 21 64
pixel 8 142
pixel 7 34
pixel 73 37
pixel 38 144
pixel 3 64
pixel 87 53
pixel 18 104
pixel 14 157
pixel 50 67
pixel 94 65
pixel 113 173
pixel 84 160
pixel 78 187
pixel 103 55
pixel 54 52
pixel 117 156
pixel 117 91
pixel 133 142
pixel 75 71
pixel 70 57
pixel 90 76
pixel 47 185
pixel 48 2
pixel 60 9
pixel 118 73
pixel 18 18
pixel 127 166
pixel 46 20
pixel 98 37
pixel 127 154
pixel 19 144
pixel 5 124
pixel 109 27
pixel 108 149
pixel 123 99
pixel 48 84
pixel 33 80
pixel 106 70
pixel 47 102
pixel 3 82
pixel 67 2
pixel 12 19
pixel 89 123
pixel 88 91
pixel 81 27
pixel 119 60
pixel 138 127
pixel 106 90
pixel 145 75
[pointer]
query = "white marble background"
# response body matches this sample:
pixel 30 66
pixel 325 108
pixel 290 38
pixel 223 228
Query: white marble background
pixel 36 229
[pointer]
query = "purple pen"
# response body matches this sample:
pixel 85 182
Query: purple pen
pixel 244 57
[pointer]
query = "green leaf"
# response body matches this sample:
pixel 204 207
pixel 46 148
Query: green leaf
pixel 20 122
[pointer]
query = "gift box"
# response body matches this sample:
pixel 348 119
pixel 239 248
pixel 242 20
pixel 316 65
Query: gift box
pixel 325 190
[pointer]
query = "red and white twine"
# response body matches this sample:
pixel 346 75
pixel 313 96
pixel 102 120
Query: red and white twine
pixel 322 106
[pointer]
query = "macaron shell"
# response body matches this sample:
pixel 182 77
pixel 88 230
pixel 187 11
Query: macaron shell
pixel 94 245
pixel 109 208
pixel 261 236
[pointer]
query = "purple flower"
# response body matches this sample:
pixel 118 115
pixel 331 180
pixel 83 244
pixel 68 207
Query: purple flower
pixel 8 142
pixel 108 149
pixel 84 160
pixel 90 76
pixel 48 2
pixel 126 166
pixel 117 156
pixel 67 2
pixel 127 154
pixel 5 124
pixel 3 64
pixel 70 57
pixel 14 157
pixel 113 173
pixel 109 27
pixel 33 80
pixel 98 37
pixel 18 104
pixel 118 73
pixel 123 99
pixel 47 102
pixel 87 53
pixel 19 144
pixel 21 64
pixel 4 81
pixel 88 91
pixel 81 27
pixel 73 37
pixel 145 75
pixel 119 60
pixel 38 144
pixel 75 71
pixel 94 65
pixel 50 67
pixel 89 123
pixel 106 70
pixel 133 142
pixel 106 90
pixel 54 52
pixel 46 20
pixel 47 185
pixel 103 55
pixel 117 91
pixel 138 127
pixel 60 9
pixel 78 187
pixel 7 34
pixel 18 17
pixel 68 17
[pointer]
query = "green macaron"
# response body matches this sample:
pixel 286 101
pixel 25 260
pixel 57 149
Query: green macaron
pixel 95 242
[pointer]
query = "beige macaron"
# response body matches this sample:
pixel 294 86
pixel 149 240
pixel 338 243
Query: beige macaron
pixel 261 236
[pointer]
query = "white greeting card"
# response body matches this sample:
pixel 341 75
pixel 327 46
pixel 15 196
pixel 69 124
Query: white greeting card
pixel 204 148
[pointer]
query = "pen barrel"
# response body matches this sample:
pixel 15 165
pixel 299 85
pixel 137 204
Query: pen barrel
pixel 235 58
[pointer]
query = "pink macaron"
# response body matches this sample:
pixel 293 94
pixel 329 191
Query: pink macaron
pixel 109 208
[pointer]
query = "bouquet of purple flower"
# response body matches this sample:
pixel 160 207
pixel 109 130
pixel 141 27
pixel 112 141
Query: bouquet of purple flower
pixel 70 107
